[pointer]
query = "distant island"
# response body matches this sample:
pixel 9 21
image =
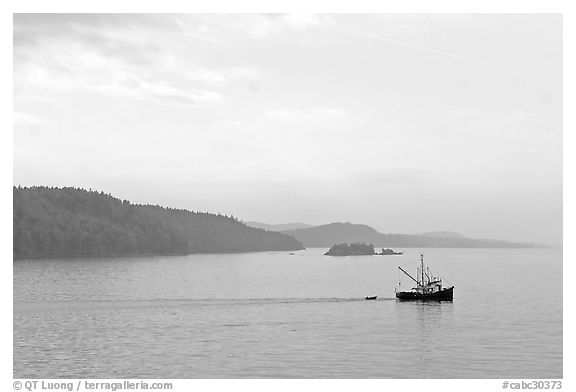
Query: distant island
pixel 389 252
pixel 358 249
pixel 338 233
pixel 354 249
pixel 66 222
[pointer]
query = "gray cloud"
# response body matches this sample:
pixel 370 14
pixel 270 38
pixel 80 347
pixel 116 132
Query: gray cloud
pixel 116 54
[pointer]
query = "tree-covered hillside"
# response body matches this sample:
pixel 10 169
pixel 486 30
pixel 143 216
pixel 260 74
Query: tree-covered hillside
pixel 75 222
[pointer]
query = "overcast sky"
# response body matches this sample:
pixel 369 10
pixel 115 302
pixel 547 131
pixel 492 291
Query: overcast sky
pixel 407 123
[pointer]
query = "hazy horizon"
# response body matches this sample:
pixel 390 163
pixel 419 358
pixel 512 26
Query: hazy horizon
pixel 407 123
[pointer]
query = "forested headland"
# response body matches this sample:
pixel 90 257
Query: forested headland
pixel 53 222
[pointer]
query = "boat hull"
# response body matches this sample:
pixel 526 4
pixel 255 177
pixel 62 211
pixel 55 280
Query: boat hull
pixel 442 295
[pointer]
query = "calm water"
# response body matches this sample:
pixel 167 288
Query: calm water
pixel 276 315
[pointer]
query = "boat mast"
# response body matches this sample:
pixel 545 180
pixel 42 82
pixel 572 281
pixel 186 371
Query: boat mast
pixel 422 267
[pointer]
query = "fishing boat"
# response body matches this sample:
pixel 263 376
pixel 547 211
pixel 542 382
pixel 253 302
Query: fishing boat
pixel 428 287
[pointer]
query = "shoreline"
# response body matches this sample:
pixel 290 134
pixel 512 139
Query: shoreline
pixel 134 255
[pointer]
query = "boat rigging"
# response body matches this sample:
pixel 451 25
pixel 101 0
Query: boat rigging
pixel 428 286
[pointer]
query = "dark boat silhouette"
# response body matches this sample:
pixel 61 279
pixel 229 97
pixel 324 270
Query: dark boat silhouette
pixel 428 287
pixel 369 298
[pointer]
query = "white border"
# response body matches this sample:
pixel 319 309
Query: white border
pixel 246 6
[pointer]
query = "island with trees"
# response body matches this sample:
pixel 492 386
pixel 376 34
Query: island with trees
pixel 353 249
pixel 389 252
pixel 358 249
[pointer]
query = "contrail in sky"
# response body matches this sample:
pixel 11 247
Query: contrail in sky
pixel 420 48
